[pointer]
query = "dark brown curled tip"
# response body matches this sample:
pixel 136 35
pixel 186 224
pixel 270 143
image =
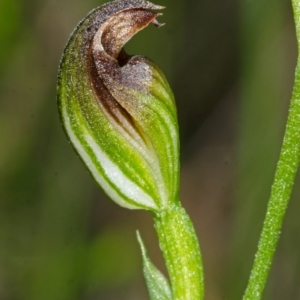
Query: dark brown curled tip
pixel 113 34
pixel 110 67
pixel 117 30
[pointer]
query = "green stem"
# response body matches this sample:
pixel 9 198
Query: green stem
pixel 179 244
pixel 282 187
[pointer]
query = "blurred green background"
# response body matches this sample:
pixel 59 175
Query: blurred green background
pixel 231 66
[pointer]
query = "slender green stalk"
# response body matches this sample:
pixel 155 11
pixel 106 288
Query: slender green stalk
pixel 282 187
pixel 179 244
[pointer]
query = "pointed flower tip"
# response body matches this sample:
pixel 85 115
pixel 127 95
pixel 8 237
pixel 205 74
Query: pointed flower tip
pixel 118 110
pixel 158 7
pixel 152 6
pixel 156 23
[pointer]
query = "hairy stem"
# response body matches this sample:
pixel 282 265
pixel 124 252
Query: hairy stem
pixel 179 244
pixel 282 187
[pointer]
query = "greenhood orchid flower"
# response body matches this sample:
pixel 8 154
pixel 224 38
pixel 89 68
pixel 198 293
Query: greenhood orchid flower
pixel 118 110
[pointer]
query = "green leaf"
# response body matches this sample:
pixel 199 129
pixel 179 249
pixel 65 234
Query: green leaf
pixel 157 284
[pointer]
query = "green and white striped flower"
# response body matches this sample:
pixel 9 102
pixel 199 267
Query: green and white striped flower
pixel 118 110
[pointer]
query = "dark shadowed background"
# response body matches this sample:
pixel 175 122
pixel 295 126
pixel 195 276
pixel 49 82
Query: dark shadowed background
pixel 231 65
